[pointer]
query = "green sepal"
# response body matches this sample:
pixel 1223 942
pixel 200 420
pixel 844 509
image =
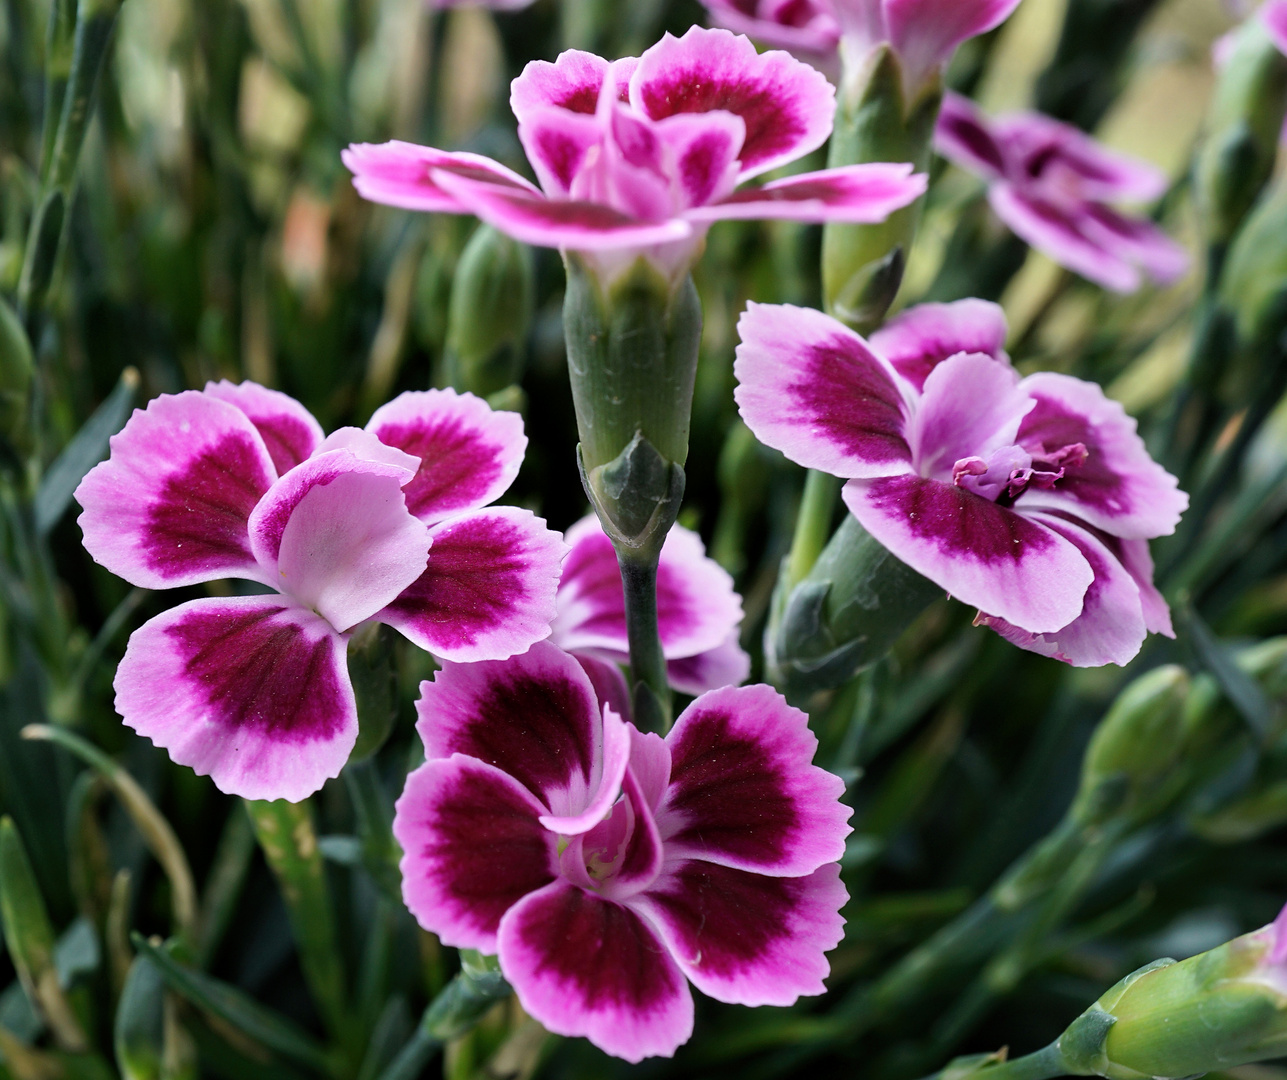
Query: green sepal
pixel 636 495
pixel 462 1003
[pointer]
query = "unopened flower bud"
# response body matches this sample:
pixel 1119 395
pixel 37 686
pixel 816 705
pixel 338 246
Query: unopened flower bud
pixel 1220 1009
pixel 1132 765
pixel 862 265
pixel 490 313
pixel 1243 130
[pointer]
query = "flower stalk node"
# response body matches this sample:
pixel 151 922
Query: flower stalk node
pixel 637 496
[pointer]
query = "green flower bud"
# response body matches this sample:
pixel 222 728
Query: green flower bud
pixel 1217 1010
pixel 490 313
pixel 846 614
pixel 862 265
pixel 1133 765
pixel 632 361
pixel 1242 141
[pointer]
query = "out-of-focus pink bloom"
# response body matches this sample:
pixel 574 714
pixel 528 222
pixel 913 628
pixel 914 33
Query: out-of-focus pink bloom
pixel 495 5
pixel 1273 17
pixel 605 867
pixel 642 155
pixel 1031 499
pixel 1053 184
pixel 383 524
pixel 924 33
pixel 698 613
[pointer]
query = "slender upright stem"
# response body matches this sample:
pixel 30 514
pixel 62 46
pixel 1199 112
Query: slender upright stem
pixel 650 688
pixel 812 524
pixel 1044 1064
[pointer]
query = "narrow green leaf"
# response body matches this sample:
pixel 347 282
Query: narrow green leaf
pixel 139 1030
pixel 29 936
pixel 237 1008
pixel 1240 688
pixel 87 448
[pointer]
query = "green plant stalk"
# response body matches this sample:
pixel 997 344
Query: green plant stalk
pixel 651 692
pixel 1044 1064
pixel 59 44
pixel 149 821
pixel 812 524
pixel 286 835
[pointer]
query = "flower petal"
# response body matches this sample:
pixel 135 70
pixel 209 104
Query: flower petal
pixel 1139 241
pixel 920 338
pixel 605 782
pixel 704 148
pixel 927 32
pixel 557 142
pixel 170 506
pixel 725 665
pixel 561 223
pixel 697 607
pixel 861 194
pixel 1110 628
pixel 625 847
pixel 1060 233
pixel 745 938
pixel 608 680
pixel 473 848
pixel 964 135
pixel 488 590
pixel 288 429
pixel 787 106
pixel 469 452
pixel 808 28
pixel 1118 488
pixel 810 387
pixel 1134 555
pixel 985 555
pixel 252 691
pixel 533 716
pixel 1274 17
pixel 572 83
pixel 405 175
pixel 743 791
pixel 350 547
pixel 971 406
pixel 585 966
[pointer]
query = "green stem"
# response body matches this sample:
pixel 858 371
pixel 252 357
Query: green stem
pixel 812 524
pixel 650 686
pixel 1042 1065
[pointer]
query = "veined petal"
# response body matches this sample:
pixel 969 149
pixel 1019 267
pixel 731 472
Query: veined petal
pixel 1060 233
pixel 810 387
pixel 725 665
pixel 862 194
pixel 557 142
pixel 561 223
pixel 289 430
pixel 170 506
pixel 586 966
pixel 1110 628
pixel 469 453
pixel 702 150
pixel 787 106
pixel 251 691
pixel 350 547
pixel 986 555
pixel 916 341
pixel 605 782
pixel 403 174
pixel 572 83
pixel 743 791
pixel 335 534
pixel 927 32
pixel 1118 488
pixel 746 938
pixel 473 848
pixel 488 590
pixel 533 716
pixel 807 28
pixel 964 135
pixel 971 406
pixel 697 607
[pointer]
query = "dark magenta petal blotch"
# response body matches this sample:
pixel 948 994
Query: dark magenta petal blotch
pixel 587 966
pixel 746 938
pixel 488 590
pixel 812 388
pixel 916 341
pixel 534 716
pixel 983 554
pixel 250 691
pixel 289 430
pixel 469 453
pixel 171 505
pixel 787 106
pixel 743 790
pixel 473 848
